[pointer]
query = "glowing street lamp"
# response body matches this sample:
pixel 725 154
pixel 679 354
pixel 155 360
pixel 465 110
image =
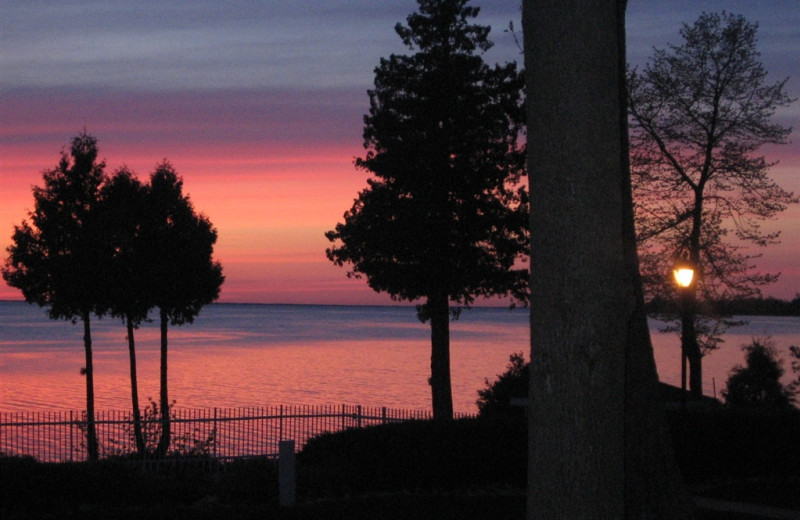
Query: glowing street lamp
pixel 683 272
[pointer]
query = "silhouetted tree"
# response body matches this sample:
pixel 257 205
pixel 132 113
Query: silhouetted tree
pixel 183 277
pixel 56 260
pixel 794 386
pixel 512 384
pixel 597 439
pixel 122 215
pixel 758 383
pixel 699 114
pixel 444 218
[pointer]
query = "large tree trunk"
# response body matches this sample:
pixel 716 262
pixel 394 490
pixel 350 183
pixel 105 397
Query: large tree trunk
pixel 137 414
pixel 91 429
pixel 164 440
pixel 592 370
pixel 442 396
pixel 653 485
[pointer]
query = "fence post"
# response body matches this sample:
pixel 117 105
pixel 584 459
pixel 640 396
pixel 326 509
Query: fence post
pixel 286 474
pixel 280 424
pixel 359 417
pixel 71 442
pixel 216 433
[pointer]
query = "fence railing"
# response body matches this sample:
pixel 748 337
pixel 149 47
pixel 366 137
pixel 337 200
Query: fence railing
pixel 217 433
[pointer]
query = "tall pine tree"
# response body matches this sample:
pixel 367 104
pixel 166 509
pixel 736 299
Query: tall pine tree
pixel 57 259
pixel 444 219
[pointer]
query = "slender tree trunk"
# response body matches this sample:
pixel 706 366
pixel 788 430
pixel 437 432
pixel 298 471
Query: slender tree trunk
pixel 592 371
pixel 137 414
pixel 164 441
pixel 690 349
pixel 693 354
pixel 91 429
pixel 439 308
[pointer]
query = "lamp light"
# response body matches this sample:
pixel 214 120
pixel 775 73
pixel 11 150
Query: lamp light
pixel 684 276
pixel 683 271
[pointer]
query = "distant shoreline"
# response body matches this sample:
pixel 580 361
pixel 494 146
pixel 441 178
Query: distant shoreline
pixel 750 307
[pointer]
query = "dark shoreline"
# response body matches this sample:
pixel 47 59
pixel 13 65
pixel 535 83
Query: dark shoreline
pixel 742 307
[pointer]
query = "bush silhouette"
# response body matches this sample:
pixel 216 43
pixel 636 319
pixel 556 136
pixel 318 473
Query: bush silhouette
pixel 758 383
pixel 511 384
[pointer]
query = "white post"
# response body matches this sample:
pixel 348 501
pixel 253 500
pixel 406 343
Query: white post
pixel 286 473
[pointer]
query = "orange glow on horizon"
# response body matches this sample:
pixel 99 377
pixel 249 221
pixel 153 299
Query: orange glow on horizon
pixel 270 213
pixel 272 187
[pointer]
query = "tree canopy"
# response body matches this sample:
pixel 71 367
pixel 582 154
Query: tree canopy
pixel 444 219
pixel 180 243
pixel 699 113
pixel 442 141
pixel 758 382
pixel 96 245
pixel 57 260
pixel 123 212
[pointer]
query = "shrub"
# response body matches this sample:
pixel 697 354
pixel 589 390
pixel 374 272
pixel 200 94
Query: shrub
pixel 513 383
pixel 417 455
pixel 759 382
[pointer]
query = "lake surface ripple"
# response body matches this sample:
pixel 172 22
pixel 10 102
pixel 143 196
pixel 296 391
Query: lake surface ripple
pixel 258 355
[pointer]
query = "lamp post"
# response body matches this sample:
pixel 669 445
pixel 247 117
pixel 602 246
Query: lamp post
pixel 684 273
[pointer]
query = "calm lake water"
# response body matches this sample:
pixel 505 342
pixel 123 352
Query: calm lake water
pixel 259 355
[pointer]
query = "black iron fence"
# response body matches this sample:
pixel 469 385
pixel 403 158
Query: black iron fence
pixel 219 433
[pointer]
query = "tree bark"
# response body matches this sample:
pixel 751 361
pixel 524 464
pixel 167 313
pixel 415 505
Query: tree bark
pixel 92 447
pixel 593 375
pixel 654 487
pixel 693 353
pixel 164 440
pixel 441 392
pixel 695 358
pixel 137 414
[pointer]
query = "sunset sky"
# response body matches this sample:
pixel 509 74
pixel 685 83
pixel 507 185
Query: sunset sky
pixel 259 106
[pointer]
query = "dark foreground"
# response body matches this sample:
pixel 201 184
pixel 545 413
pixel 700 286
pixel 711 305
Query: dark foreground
pixel 416 470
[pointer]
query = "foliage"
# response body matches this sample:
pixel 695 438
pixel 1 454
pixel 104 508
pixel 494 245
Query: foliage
pixel 122 211
pixel 441 140
pixel 182 275
pixel 99 245
pixel 57 259
pixel 794 386
pixel 699 113
pixel 197 443
pixel 513 383
pixel 759 382
pixel 444 219
pixel 749 453
pixel 414 456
